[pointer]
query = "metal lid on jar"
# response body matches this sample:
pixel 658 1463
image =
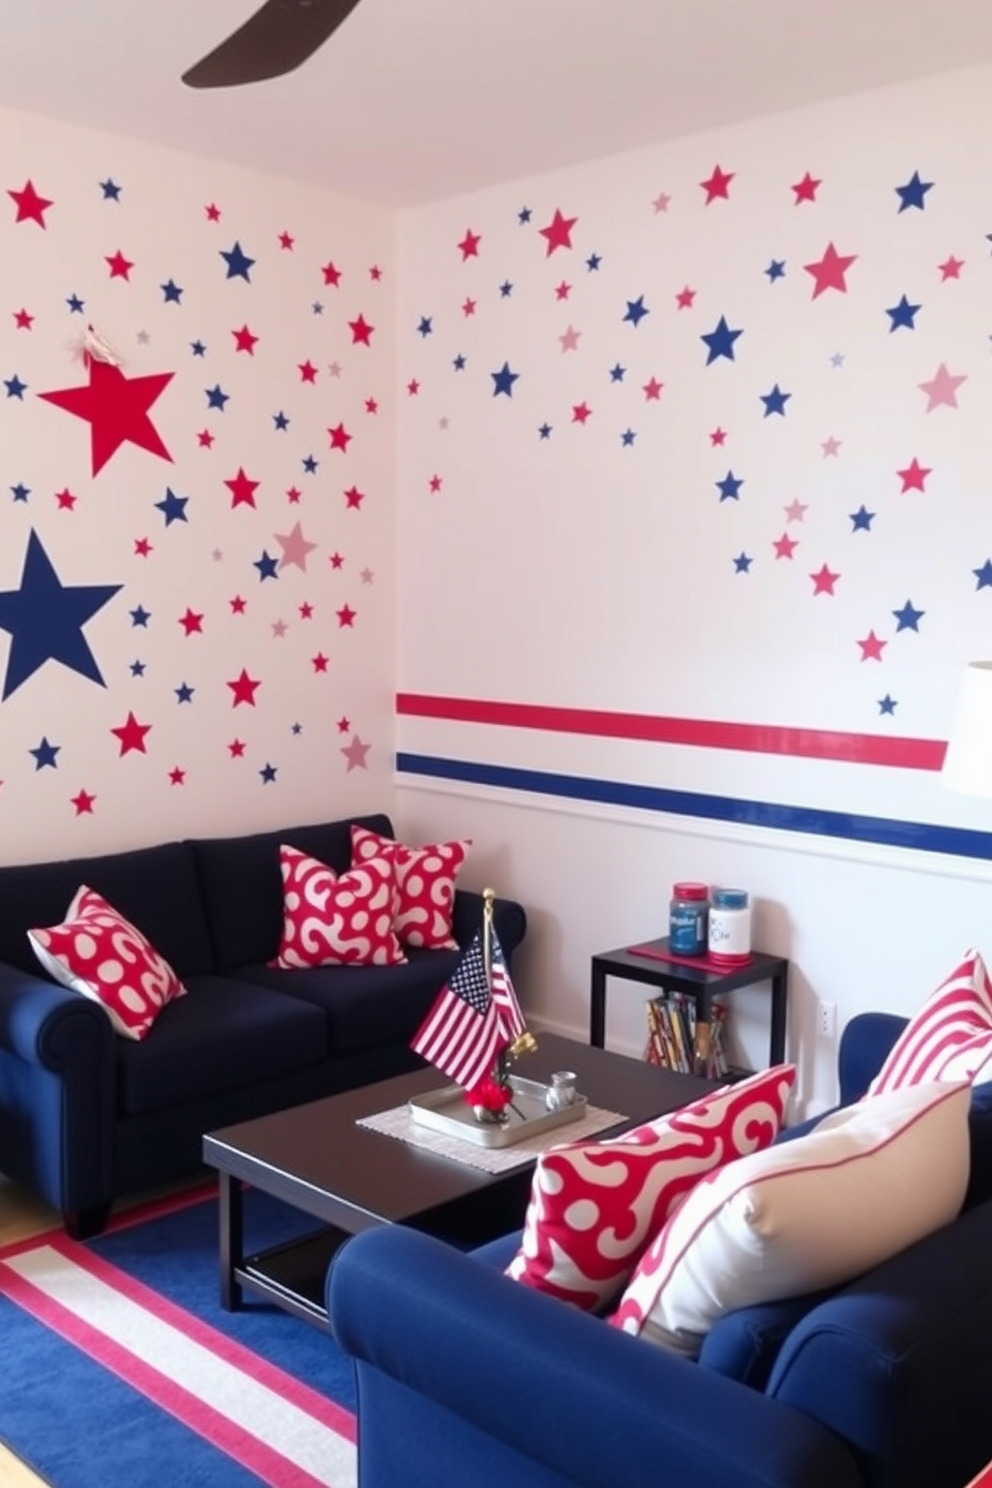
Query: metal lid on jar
pixel 730 899
pixel 690 890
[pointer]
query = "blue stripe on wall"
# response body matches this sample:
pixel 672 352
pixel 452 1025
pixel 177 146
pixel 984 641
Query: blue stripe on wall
pixel 919 836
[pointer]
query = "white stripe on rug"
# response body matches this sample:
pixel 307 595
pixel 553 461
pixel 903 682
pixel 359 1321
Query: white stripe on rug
pixel 253 1411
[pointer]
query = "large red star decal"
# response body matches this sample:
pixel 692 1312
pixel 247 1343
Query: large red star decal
pixel 824 580
pixel 332 274
pixel 340 438
pixel 829 271
pixel 717 185
pixel 83 803
pixel 806 189
pixel 244 340
pixel 872 647
pixel 120 267
pixel 914 476
pixel 361 331
pixel 116 408
pixel 132 735
pixel 242 489
pixel 558 232
pixel 30 206
pixel 470 244
pixel 244 689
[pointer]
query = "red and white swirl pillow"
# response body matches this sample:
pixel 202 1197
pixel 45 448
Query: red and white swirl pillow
pixel 595 1207
pixel 949 1038
pixel 425 880
pixel 100 954
pixel 332 919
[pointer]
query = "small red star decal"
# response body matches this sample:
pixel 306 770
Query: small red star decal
pixel 580 412
pixel 828 272
pixel 718 436
pixel 120 267
pixel 237 748
pixel 116 409
pixel 375 273
pixel 562 291
pixel 244 340
pixel 371 406
pixel 142 547
pixel 951 268
pixel 65 499
pixel 717 185
pixel 319 662
pixel 213 212
pixel 652 390
pixel 205 439
pixel 244 689
pixel 293 495
pixel 132 735
pixel 332 275
pixel 237 605
pixel 242 489
pixel 824 580
pixel 191 622
pixel 806 189
pixel 306 610
pixel 558 232
pixel 468 307
pixel 177 776
pixel 308 372
pixel 346 616
pixel 435 483
pixel 785 546
pixel 336 560
pixel 914 476
pixel 684 298
pixel 361 331
pixel 286 241
pixel 339 438
pixel 413 387
pixel 872 647
pixel 470 245
pixel 30 206
pixel 344 725
pixel 83 803
pixel 22 320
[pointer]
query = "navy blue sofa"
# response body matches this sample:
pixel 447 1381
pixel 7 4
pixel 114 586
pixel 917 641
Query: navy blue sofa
pixel 87 1116
pixel 466 1377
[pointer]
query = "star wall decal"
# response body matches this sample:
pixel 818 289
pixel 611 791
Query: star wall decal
pixel 131 735
pixel 295 547
pixel 30 206
pixel 558 233
pixel 720 341
pixel 356 753
pixel 45 620
pixel 913 194
pixel 828 272
pixel 116 409
pixel 717 185
pixel 238 263
pixel 942 389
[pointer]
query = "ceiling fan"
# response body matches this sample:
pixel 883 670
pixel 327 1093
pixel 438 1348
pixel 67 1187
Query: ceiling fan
pixel 273 41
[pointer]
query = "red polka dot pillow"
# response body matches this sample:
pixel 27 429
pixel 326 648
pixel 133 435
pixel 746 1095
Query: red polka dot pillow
pixel 950 1038
pixel 595 1207
pixel 332 919
pixel 425 879
pixel 97 952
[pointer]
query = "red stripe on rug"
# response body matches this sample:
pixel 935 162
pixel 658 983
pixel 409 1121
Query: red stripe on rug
pixel 746 738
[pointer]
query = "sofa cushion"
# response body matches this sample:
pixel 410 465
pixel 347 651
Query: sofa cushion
pixel 949 1038
pixel 97 952
pixel 425 886
pixel 804 1215
pixel 242 888
pixel 332 919
pixel 596 1206
pixel 226 1035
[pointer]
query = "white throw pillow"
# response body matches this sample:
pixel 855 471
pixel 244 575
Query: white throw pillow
pixel 810 1213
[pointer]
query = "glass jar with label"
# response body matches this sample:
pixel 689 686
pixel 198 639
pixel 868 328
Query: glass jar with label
pixel 729 937
pixel 687 916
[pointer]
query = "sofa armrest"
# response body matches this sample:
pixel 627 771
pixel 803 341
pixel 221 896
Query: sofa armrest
pixel 509 918
pixel 43 1023
pixel 555 1385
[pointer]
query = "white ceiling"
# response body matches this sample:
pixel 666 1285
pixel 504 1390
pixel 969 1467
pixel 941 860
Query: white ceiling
pixel 413 100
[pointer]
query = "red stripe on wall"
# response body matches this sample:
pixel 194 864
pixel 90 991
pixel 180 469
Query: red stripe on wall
pixel 702 733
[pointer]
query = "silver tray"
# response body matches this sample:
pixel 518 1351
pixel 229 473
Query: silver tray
pixel 448 1111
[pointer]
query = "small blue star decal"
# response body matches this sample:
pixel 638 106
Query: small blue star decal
pixel 267 566
pixel 172 293
pixel 887 705
pixel 45 754
pixel 617 373
pixel 238 263
pixel 137 669
pixel 742 563
pixel 545 431
pixel 459 363
pixel 76 305
pixel 720 341
pixel 216 397
pixel 862 519
pixel 983 575
pixel 908 618
pixel 15 387
pixel 775 401
pixel 636 310
pixel 593 262
pixel 503 380
pixel 524 216
pixel 425 325
pixel 111 190
pixel 268 774
pixel 317 308
pixel 627 437
pixel 280 420
pixel 21 492
pixel 172 507
pixel 729 487
pixel 776 270
pixel 198 348
pixel 913 193
pixel 140 616
pixel 184 693
pixel 310 464
pixel 297 728
pixel 505 290
pixel 903 314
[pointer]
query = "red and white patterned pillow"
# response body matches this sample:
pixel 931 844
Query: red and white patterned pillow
pixel 100 954
pixel 332 919
pixel 595 1207
pixel 950 1038
pixel 425 879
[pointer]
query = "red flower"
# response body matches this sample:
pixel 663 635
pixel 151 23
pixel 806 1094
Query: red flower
pixel 490 1094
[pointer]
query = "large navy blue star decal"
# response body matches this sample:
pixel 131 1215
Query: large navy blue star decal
pixel 45 620
pixel 238 262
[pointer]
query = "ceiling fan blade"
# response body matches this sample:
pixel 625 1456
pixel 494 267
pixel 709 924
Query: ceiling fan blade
pixel 274 41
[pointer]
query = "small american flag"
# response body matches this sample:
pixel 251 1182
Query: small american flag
pixel 507 1007
pixel 466 1028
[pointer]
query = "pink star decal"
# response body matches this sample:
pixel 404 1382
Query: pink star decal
pixel 806 189
pixel 213 212
pixel 339 438
pixel 131 736
pixel 319 662
pixel 581 412
pixel 307 370
pixel 66 500
pixel 30 206
pixel 367 576
pixel 356 754
pixel 236 748
pixel 83 802
pixel 562 291
pixel 717 185
pixel 469 245
pixel 872 647
pixel 116 409
pixel 22 320
pixel 286 241
pixel 279 629
pixel 468 307
pixel 346 616
pixel 177 776
pixel 142 547
pixel 435 483
pixel 120 267
pixel 334 368
pixel 718 436
pixel 244 689
pixel 361 331
pixel 244 340
pixel 237 605
pixel 558 233
pixel 785 546
pixel 795 511
pixel 332 274
pixel 942 389
pixel 830 446
pixel 684 298
pixel 824 580
pixel 660 202
pixel 191 623
pixel 242 489
pixel 914 476
pixel 295 548
pixel 570 339
pixel 652 390
pixel 828 272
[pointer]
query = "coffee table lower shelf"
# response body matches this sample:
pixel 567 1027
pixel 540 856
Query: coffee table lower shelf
pixel 292 1274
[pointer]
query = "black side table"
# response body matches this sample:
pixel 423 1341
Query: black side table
pixel 697 981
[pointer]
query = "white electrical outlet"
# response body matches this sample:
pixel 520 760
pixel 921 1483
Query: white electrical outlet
pixel 827 1014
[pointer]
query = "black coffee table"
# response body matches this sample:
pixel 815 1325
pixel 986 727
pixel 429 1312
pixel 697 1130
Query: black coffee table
pixel 315 1158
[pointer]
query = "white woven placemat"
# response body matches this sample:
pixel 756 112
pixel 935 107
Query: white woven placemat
pixel 399 1123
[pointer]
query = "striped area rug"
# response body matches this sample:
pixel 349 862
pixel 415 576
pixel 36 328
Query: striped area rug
pixel 120 1367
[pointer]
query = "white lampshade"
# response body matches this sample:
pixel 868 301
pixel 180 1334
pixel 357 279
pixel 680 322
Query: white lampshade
pixel 968 761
